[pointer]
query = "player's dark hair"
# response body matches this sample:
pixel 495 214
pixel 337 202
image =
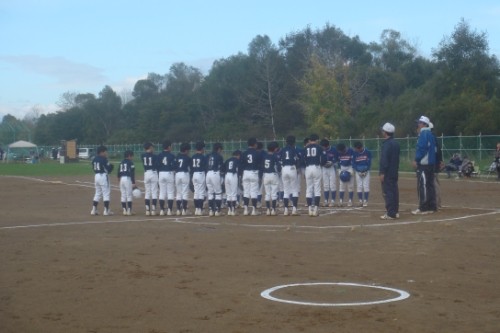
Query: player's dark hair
pixel 260 145
pixel 128 153
pixel 324 143
pixel 101 149
pixel 290 140
pixel 199 145
pixel 166 144
pixel 148 145
pixel 314 137
pixel 358 144
pixel 217 146
pixel 185 147
pixel 341 147
pixel 237 153
pixel 306 140
pixel 272 146
pixel 252 142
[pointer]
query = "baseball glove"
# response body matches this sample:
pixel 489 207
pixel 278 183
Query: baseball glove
pixel 328 164
pixel 363 174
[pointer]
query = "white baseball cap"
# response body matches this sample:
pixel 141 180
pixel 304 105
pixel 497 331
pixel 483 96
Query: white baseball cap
pixel 424 119
pixel 389 128
pixel 431 125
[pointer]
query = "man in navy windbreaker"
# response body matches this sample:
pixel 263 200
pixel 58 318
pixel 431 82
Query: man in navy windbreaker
pixel 425 159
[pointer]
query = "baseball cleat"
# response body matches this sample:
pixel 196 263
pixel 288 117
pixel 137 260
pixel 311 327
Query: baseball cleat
pixel 148 213
pixel 254 212
pixel 124 211
pixel 210 213
pixel 349 203
pixel 386 217
pixel 273 212
pixel 153 213
pixel 315 211
pixel 217 213
pixel 184 212
pixel 169 212
pixel 331 204
pixel 285 212
pixel 245 211
pixel 94 212
pixel 107 212
pixel 295 212
pixel 178 212
pixel 310 211
pixel 129 212
pixel 162 212
pixel 268 212
pixel 365 203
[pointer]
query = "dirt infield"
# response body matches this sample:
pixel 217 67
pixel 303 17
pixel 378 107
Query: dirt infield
pixel 63 270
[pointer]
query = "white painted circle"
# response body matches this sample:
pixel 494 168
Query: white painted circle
pixel 402 294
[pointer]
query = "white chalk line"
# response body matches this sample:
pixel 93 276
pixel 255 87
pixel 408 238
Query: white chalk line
pixel 401 294
pixel 330 211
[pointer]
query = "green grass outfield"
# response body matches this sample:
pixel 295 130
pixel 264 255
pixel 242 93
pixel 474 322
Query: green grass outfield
pixel 45 168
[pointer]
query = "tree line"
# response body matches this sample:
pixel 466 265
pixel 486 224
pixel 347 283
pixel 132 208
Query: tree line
pixel 321 81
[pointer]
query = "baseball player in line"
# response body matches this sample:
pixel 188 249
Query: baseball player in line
pixel 329 173
pixel 102 168
pixel 346 173
pixel 232 166
pixel 126 177
pixel 150 164
pixel 182 178
pixel 215 170
pixel 198 176
pixel 166 178
pixel 362 163
pixel 289 158
pixel 271 168
pixel 314 159
pixel 251 167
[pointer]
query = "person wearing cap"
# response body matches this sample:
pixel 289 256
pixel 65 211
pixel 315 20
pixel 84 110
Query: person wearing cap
pixel 389 172
pixel 425 160
pixel 232 166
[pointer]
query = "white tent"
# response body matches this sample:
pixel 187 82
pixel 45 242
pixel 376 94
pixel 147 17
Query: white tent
pixel 23 151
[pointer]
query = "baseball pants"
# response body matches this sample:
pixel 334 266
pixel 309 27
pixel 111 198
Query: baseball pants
pixel 166 181
pixel 313 181
pixel 363 183
pixel 231 184
pixel 150 185
pixel 126 189
pixel 102 187
pixel 329 179
pixel 289 177
pixel 214 185
pixel 200 185
pixel 271 184
pixel 250 184
pixel 182 186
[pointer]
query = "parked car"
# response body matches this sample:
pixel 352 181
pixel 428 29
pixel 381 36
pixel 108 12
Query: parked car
pixel 85 153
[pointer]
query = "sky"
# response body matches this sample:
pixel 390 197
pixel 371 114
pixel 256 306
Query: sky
pixel 49 47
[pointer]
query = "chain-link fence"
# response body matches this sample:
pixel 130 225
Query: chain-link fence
pixel 480 148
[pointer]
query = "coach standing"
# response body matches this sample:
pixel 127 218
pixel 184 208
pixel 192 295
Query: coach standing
pixel 388 172
pixel 425 159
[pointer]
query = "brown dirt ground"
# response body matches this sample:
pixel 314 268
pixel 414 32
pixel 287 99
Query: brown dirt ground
pixel 63 270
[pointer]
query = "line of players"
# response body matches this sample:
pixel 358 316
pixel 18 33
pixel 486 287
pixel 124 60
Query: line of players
pixel 273 174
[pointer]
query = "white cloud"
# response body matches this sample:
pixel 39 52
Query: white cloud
pixel 63 71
